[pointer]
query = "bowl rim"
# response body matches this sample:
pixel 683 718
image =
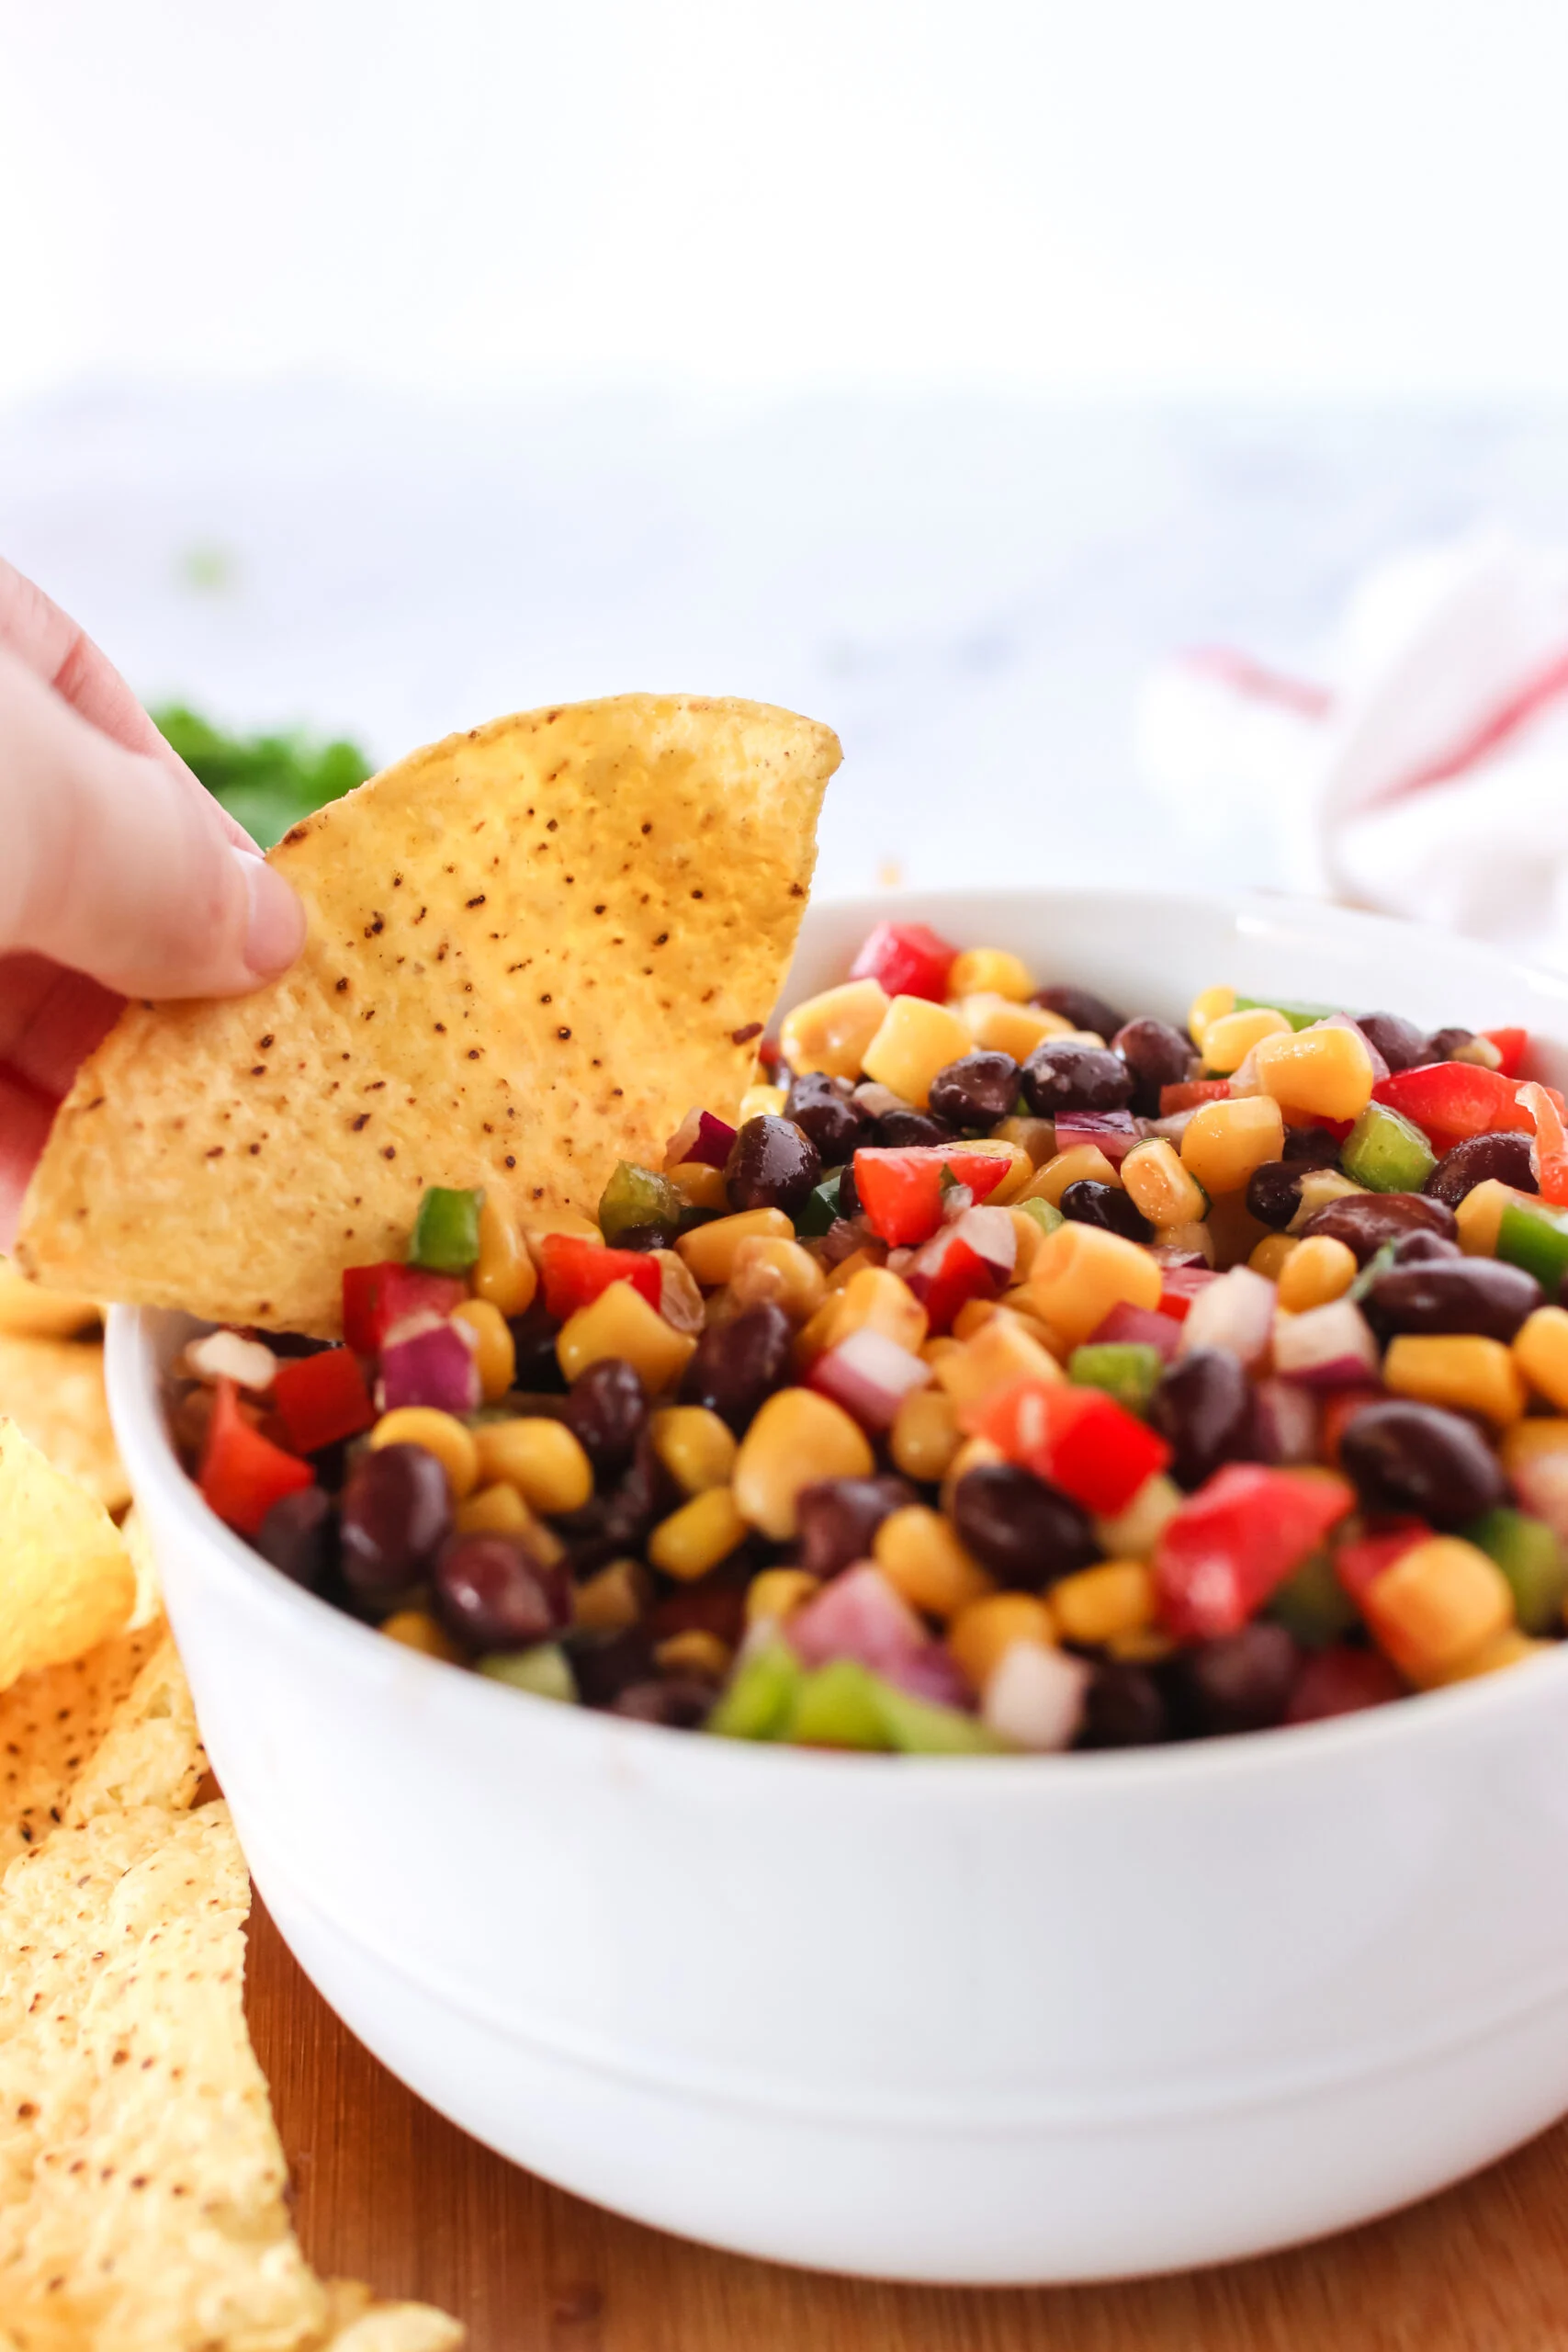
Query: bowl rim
pixel 141 1430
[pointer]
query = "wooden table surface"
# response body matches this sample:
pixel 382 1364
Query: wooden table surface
pixel 384 2190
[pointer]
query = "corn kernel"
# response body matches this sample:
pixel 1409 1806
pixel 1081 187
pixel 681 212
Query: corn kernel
pixel 1479 1214
pixel 773 1597
pixel 1326 1072
pixel 504 1272
pixel 441 1434
pixel 1234 1232
pixel 1021 1168
pixel 416 1629
pixel 1464 1372
pixel 620 1322
pixel 1145 1645
pixel 795 1439
pixel 1212 1005
pixel 1195 1236
pixel 875 1298
pixel 1438 1604
pixel 679 1300
pixel 497 1509
pixel 920 1554
pixel 832 1032
pixel 1097 1604
pixel 1159 1185
pixel 1319 1186
pixel 710 1251
pixel 990 971
pixel 1134 1534
pixel 698 1537
pixel 495 1350
pixel 695 1652
pixel 934 1351
pixel 1001 1351
pixel 983 1631
pixel 1510 1647
pixel 1527 1440
pixel 1085 1164
pixel 1036 1136
pixel 1318 1271
pixel 1228 1041
pixel 541 1458
pixel 925 1435
pixel 778 1273
pixel 917 1038
pixel 611 1600
pixel 1223 1142
pixel 1540 1351
pixel 856 1263
pixel 538 1227
pixel 1082 1272
pixel 762 1103
pixel 975 1453
pixel 974 1316
pixel 694 1446
pixel 1273 1254
pixel 1027 1236
pixel 998 1026
pixel 700 1186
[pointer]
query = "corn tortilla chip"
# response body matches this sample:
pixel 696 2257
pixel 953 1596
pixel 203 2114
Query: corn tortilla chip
pixel 53 1390
pixel 533 948
pixel 66 1580
pixel 41 1313
pixel 51 1723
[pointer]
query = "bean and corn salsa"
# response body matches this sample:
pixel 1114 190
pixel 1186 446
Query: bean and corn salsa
pixel 1014 1376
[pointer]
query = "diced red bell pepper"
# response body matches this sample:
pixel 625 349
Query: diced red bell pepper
pixel 1358 1565
pixel 1340 1410
pixel 901 1191
pixel 1238 1538
pixel 376 1299
pixel 909 959
pixel 1342 1681
pixel 1337 1128
pixel 322 1398
pixel 242 1474
pixel 577 1271
pixel 1548 1154
pixel 1458 1099
pixel 1179 1285
pixel 947 1274
pixel 1077 1438
pixel 1511 1044
pixel 1189 1093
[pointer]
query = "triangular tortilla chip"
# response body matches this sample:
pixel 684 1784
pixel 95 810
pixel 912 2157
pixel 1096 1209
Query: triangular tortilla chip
pixel 66 1580
pixel 53 1390
pixel 532 949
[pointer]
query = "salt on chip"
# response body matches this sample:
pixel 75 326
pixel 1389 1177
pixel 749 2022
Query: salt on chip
pixel 53 1390
pixel 66 1580
pixel 532 949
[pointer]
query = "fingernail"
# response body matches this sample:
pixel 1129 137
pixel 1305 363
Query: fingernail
pixel 275 921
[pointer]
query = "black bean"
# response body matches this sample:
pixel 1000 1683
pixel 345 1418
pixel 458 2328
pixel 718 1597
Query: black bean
pixel 493 1593
pixel 1423 1248
pixel 1156 1055
pixel 1312 1146
pixel 1274 1191
pixel 1479 1159
pixel 824 1109
pixel 613 1525
pixel 1364 1221
pixel 848 1192
pixel 1406 1457
pixel 1241 1682
pixel 1105 1204
pixel 1479 1295
pixel 394 1515
pixel 604 1665
pixel 772 1165
pixel 976 1089
pixel 839 1515
pixel 1060 1077
pixel 607 1412
pixel 1443 1045
pixel 1026 1532
pixel 1204 1409
pixel 298 1536
pixel 1124 1708
pixel 897 1130
pixel 737 1364
pixel 533 1336
pixel 715 1605
pixel 1082 1008
pixel 679 1705
pixel 1399 1041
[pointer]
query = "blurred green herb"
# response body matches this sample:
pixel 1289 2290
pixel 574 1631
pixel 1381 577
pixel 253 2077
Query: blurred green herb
pixel 268 782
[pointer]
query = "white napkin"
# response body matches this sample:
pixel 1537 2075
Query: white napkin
pixel 1427 776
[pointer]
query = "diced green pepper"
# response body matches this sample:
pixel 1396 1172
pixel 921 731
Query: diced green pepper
pixel 1045 1215
pixel 1299 1016
pixel 1535 1239
pixel 918 1727
pixel 1312 1604
pixel 839 1706
pixel 1530 1556
pixel 760 1697
pixel 545 1670
pixel 1378 1263
pixel 1128 1370
pixel 821 1207
pixel 1387 1152
pixel 640 1208
pixel 447 1230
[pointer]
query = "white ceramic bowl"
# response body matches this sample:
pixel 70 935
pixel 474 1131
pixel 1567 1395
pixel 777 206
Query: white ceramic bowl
pixel 1004 2019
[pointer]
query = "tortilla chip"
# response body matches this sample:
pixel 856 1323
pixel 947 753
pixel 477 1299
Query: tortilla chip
pixel 51 1723
pixel 53 1390
pixel 41 1314
pixel 66 1581
pixel 532 949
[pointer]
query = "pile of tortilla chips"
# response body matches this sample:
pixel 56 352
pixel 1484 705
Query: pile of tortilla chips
pixel 52 1383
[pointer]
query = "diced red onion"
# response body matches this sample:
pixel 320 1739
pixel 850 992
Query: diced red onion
pixel 1541 1481
pixel 955 1202
pixel 1114 1132
pixel 931 1674
pixel 432 1367
pixel 991 1234
pixel 1286 1421
pixel 1034 1697
pixel 1173 1128
pixel 880 1100
pixel 1128 1326
pixel 223 1355
pixel 1235 1312
pixel 859 1616
pixel 409 1326
pixel 701 1138
pixel 870 1375
pixel 1328 1347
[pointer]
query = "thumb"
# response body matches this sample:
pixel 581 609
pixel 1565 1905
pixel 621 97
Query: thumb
pixel 118 864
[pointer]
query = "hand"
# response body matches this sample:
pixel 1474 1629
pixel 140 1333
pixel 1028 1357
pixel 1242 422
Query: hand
pixel 119 874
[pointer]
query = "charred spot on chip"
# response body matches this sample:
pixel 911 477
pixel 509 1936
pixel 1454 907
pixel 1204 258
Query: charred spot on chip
pixel 474 1053
pixel 563 1033
pixel 744 1037
pixel 389 1151
pixel 341 985
pixel 258 1070
pixel 360 1121
pixel 511 1159
pixel 478 901
pixel 263 1042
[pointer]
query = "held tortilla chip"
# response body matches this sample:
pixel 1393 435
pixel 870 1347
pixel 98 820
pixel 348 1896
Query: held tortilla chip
pixel 532 949
pixel 66 1579
pixel 53 1390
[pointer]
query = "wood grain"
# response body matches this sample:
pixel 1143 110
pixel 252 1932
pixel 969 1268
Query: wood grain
pixel 387 2191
